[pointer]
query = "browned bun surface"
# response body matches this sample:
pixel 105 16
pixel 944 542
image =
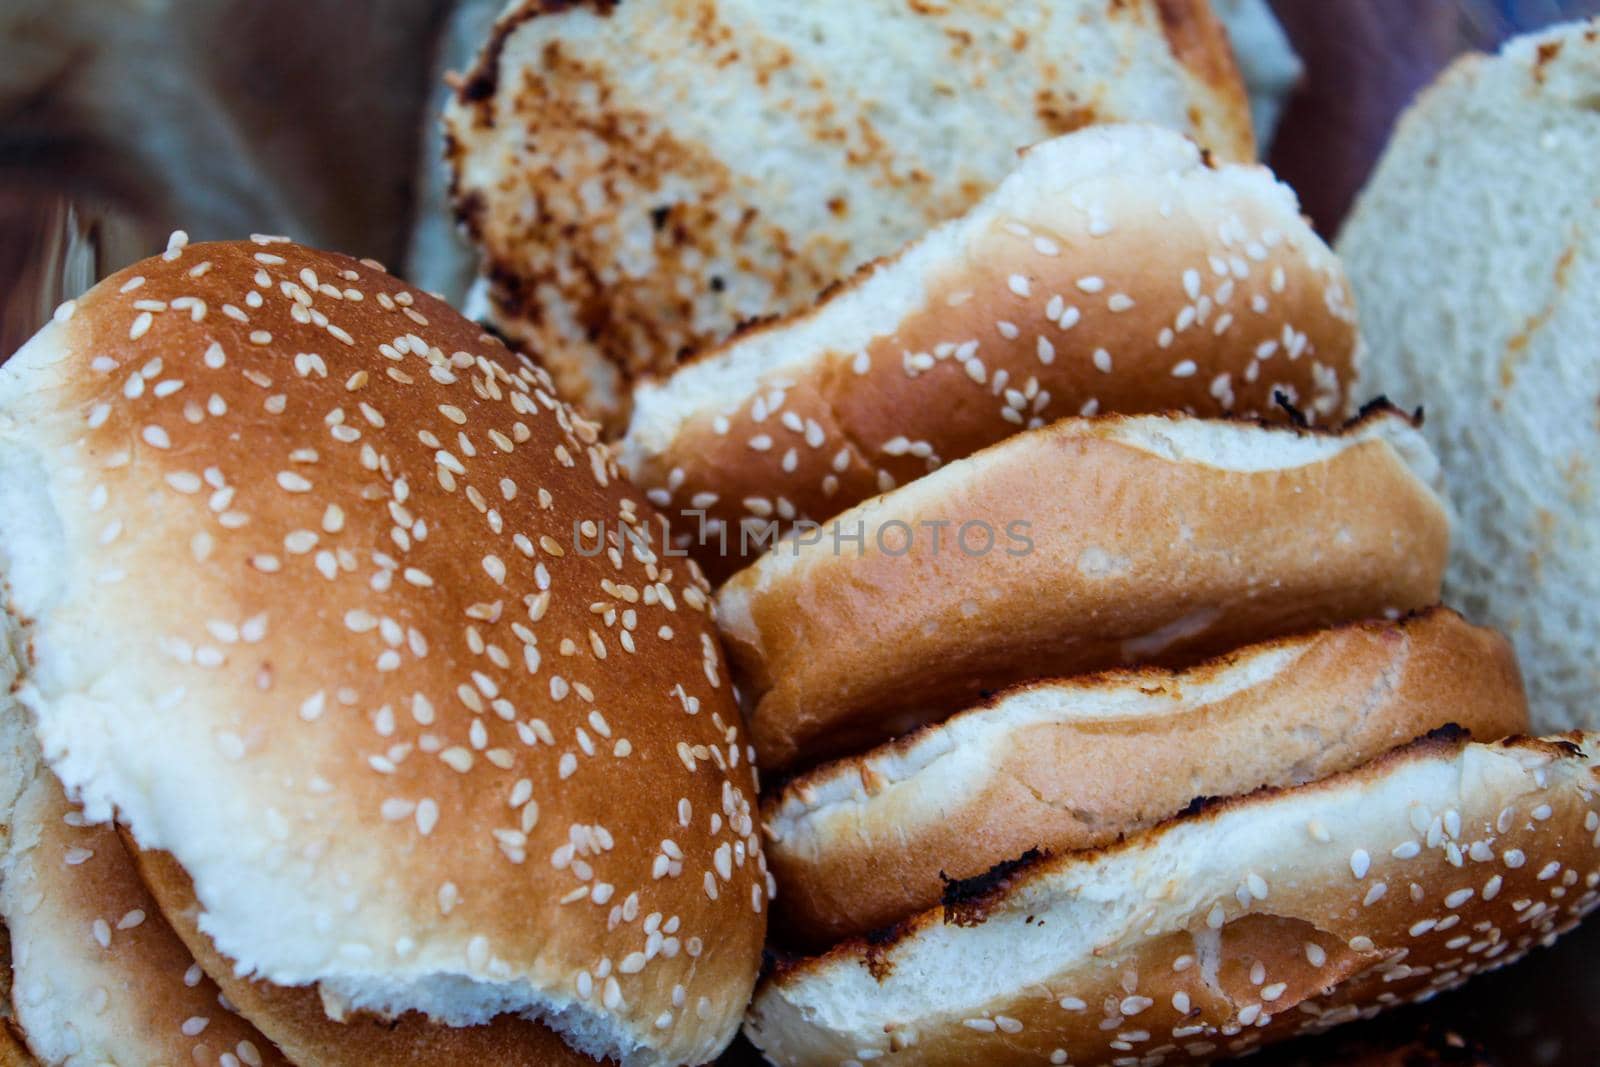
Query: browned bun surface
pixel 1248 921
pixel 1159 540
pixel 330 597
pixel 1115 270
pixel 1065 765
pixel 297 1020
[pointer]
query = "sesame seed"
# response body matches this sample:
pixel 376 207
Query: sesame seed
pixel 1360 863
pixel 1019 284
pixel 1186 369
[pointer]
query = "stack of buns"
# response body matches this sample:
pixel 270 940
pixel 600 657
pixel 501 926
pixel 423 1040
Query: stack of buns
pixel 1117 269
pixel 350 712
pixel 997 669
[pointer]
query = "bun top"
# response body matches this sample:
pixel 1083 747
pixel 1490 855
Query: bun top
pixel 330 598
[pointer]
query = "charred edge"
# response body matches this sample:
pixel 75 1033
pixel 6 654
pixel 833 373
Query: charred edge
pixel 1296 416
pixel 875 952
pixel 482 81
pixel 967 900
pixel 469 206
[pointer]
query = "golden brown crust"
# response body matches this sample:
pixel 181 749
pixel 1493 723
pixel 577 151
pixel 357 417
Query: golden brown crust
pixel 1129 305
pixel 620 227
pixel 295 1018
pixel 1286 912
pixel 1129 557
pixel 879 848
pixel 329 547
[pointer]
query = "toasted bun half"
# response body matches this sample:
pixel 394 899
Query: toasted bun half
pixel 1085 545
pixel 1075 764
pixel 295 548
pixel 1248 921
pixel 644 177
pixel 98 975
pixel 1492 178
pixel 1115 270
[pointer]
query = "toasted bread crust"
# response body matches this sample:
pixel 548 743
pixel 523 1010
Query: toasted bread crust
pixel 643 178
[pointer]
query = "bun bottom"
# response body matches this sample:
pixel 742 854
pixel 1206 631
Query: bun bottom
pixel 295 1019
pixel 1241 923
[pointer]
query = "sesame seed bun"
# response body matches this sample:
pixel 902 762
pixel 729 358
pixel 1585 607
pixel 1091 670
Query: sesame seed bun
pixel 642 178
pixel 99 976
pixel 1073 764
pixel 1248 921
pixel 1148 540
pixel 1115 270
pixel 296 549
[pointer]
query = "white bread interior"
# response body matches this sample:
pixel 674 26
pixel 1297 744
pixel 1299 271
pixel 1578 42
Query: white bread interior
pixel 1477 268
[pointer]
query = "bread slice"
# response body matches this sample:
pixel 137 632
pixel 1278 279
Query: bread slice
pixel 1477 263
pixel 1085 545
pixel 1074 764
pixel 1116 270
pixel 643 177
pixel 1241 923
